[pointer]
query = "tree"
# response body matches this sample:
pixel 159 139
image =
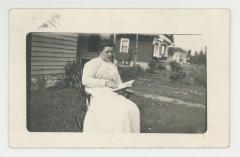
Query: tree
pixel 189 56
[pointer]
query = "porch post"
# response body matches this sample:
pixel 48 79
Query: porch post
pixel 114 39
pixel 114 55
pixel 136 51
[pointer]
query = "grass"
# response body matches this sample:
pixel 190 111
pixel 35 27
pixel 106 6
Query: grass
pixel 56 110
pixel 162 117
pixel 158 84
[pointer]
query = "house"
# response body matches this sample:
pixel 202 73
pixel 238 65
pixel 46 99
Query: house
pixel 134 49
pixel 130 49
pixel 48 53
pixel 177 54
pixel 88 44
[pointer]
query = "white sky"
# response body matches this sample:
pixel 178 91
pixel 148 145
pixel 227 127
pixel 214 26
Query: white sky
pixel 193 42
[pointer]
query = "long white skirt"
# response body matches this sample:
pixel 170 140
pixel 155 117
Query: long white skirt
pixel 112 113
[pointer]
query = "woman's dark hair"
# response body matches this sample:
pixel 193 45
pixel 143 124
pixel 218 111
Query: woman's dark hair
pixel 105 43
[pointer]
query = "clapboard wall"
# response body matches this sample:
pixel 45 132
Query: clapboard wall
pixel 50 52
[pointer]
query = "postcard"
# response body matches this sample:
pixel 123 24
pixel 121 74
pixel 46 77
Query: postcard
pixel 178 59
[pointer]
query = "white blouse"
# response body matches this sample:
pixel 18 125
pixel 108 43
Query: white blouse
pixel 96 72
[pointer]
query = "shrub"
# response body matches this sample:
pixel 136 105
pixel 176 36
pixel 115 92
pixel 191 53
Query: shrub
pixel 176 73
pixel 39 83
pixel 152 66
pixel 72 74
pixel 59 84
pixel 161 66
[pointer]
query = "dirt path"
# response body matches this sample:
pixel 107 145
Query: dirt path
pixel 172 100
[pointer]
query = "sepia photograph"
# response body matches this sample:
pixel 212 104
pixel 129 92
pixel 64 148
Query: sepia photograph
pixel 119 78
pixel 139 83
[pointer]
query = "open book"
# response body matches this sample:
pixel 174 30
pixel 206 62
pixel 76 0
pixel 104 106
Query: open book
pixel 124 85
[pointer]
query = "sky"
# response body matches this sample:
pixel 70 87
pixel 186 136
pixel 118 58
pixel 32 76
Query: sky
pixel 193 42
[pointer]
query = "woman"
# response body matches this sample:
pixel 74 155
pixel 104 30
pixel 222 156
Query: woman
pixel 108 111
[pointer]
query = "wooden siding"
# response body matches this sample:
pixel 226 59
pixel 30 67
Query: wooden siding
pixel 50 52
pixel 145 48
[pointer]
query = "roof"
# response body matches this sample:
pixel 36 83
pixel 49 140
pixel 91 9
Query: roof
pixel 172 50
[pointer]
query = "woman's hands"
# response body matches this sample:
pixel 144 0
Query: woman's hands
pixel 110 84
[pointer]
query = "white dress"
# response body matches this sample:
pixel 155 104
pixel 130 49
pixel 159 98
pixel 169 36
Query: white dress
pixel 108 112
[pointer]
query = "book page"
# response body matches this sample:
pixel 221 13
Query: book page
pixel 124 85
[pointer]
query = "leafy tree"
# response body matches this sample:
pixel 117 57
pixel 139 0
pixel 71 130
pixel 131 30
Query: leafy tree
pixel 199 58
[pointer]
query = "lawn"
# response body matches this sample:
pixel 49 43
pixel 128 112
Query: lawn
pixel 162 117
pixel 56 110
pixel 158 84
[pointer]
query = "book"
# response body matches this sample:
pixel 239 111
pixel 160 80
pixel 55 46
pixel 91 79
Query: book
pixel 125 85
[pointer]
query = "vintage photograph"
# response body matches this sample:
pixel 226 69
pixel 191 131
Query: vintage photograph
pixel 116 82
pixel 119 78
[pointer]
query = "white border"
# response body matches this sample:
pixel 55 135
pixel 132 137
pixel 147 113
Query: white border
pixel 214 23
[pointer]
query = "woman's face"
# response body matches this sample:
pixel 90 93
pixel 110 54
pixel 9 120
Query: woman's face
pixel 107 53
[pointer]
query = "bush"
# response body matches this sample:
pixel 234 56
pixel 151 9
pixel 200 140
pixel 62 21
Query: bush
pixel 177 73
pixel 152 66
pixel 39 83
pixel 59 84
pixel 72 74
pixel 161 66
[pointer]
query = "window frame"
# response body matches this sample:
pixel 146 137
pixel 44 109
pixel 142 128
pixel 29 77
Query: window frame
pixel 121 45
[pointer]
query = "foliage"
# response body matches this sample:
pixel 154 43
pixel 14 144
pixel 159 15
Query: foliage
pixel 72 74
pixel 152 65
pixel 156 64
pixel 199 75
pixel 199 58
pixel 177 73
pixel 39 83
pixel 60 83
pixel 161 66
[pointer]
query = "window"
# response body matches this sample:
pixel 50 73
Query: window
pixel 124 45
pixel 159 50
pixel 156 50
pixel 163 50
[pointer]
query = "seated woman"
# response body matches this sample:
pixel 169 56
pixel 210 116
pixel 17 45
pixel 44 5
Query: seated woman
pixel 108 112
